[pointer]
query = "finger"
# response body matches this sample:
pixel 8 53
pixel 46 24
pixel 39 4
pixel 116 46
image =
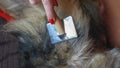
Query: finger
pixel 34 1
pixel 49 9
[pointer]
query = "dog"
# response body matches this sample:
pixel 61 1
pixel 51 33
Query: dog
pixel 88 50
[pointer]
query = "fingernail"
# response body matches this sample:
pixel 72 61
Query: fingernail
pixel 51 21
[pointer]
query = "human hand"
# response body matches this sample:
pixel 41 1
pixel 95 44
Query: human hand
pixel 49 8
pixel 50 12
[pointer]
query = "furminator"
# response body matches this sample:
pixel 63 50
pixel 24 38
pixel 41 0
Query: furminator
pixel 59 34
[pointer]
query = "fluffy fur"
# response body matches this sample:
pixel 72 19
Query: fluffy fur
pixel 89 50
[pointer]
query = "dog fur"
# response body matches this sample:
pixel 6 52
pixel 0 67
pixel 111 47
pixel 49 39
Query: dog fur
pixel 89 50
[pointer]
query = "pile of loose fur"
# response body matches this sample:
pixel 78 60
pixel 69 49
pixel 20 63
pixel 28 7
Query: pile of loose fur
pixel 89 50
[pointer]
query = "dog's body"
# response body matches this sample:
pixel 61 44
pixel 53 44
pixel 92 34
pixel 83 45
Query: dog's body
pixel 87 51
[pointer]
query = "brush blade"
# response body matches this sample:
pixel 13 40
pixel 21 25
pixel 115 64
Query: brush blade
pixel 70 31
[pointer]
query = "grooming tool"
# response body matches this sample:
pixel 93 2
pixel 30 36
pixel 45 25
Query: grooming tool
pixel 69 31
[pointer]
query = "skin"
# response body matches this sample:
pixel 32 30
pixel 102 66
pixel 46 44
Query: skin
pixel 112 20
pixel 50 12
pixel 48 6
